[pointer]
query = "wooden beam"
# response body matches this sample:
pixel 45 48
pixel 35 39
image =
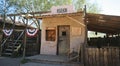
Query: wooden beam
pixel 57 15
pixel 102 29
pixel 31 23
pixel 28 13
pixel 76 21
pixel 104 17
pixel 108 26
pixel 103 20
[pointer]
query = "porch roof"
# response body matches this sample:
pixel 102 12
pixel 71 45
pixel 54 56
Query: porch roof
pixel 46 15
pixel 9 24
pixel 103 23
pixel 95 22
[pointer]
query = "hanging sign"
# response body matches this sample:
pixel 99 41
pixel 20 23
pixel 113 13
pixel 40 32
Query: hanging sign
pixel 62 9
pixel 31 32
pixel 7 32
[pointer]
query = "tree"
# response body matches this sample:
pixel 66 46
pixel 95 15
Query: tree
pixel 6 7
pixel 37 5
pixel 91 7
pixel 18 6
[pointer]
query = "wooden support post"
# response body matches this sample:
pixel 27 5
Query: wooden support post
pixel 13 34
pixel 39 34
pixel 25 40
pixel 1 48
pixel 4 17
pixel 85 38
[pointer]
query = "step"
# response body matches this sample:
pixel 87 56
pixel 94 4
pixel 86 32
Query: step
pixel 19 41
pixel 12 47
pixel 8 50
pixel 8 54
pixel 52 59
pixel 15 44
pixel 56 62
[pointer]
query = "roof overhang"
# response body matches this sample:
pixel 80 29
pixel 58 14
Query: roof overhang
pixel 103 23
pixel 95 22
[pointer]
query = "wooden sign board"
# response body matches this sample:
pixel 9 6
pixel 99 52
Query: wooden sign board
pixel 62 9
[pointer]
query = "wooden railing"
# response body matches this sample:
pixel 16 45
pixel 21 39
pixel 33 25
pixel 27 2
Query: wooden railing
pixel 107 56
pixel 18 47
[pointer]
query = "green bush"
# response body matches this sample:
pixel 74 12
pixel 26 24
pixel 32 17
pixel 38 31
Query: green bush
pixel 23 61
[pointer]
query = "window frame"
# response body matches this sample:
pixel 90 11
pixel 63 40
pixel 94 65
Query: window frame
pixel 52 36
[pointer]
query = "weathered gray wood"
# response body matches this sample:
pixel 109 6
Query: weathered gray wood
pixel 107 56
pixel 93 56
pixel 91 60
pixel 86 57
pixel 117 57
pixel 97 57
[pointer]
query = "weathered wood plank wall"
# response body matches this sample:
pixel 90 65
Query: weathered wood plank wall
pixel 102 56
pixel 33 45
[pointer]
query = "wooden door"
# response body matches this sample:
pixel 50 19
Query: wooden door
pixel 63 40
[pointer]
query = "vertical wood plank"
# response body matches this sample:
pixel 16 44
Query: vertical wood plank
pixel 97 57
pixel 105 57
pixel 102 57
pixel 86 57
pixel 93 56
pixel 117 56
pixel 114 56
pixel 110 58
pixel 90 57
pixel 87 53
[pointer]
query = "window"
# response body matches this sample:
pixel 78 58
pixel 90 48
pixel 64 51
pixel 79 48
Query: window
pixel 50 35
pixel 64 33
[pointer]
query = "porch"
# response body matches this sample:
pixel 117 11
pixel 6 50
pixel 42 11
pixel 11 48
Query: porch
pixel 53 59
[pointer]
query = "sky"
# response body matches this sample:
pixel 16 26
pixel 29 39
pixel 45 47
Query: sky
pixel 110 7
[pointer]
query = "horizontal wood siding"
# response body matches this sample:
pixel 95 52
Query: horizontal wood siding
pixel 102 56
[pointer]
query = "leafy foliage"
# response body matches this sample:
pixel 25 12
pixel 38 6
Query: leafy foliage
pixel 91 7
pixel 6 7
pixel 18 6
pixel 37 5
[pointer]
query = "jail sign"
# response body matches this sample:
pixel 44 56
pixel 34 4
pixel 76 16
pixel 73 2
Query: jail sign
pixel 62 9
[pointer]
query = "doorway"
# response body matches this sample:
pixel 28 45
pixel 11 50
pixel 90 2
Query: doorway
pixel 63 40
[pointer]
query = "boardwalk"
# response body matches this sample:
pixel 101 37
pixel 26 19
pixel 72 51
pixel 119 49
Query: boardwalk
pixel 5 61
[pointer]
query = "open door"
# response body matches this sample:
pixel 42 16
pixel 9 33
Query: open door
pixel 63 40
